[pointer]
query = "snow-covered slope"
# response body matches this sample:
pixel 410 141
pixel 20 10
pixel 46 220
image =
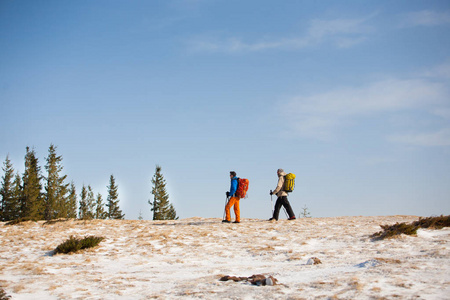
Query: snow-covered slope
pixel 186 258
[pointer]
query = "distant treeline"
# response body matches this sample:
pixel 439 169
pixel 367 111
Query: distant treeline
pixel 34 196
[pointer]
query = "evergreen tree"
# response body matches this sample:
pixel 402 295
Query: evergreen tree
pixel 83 213
pixel 72 202
pixel 112 201
pixel 17 196
pixel 6 192
pixel 305 212
pixel 99 208
pixel 56 189
pixel 162 209
pixel 32 204
pixel 171 213
pixel 90 203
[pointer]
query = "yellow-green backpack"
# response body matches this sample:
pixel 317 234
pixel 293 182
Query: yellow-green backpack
pixel 289 182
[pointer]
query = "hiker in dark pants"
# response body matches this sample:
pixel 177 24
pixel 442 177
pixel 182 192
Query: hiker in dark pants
pixel 282 199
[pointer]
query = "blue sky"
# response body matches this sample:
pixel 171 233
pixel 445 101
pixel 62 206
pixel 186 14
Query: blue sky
pixel 351 96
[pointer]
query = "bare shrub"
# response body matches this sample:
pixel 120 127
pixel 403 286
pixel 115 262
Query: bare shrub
pixel 74 244
pixel 20 220
pixel 3 295
pixel 411 229
pixel 394 230
pixel 433 222
pixel 55 221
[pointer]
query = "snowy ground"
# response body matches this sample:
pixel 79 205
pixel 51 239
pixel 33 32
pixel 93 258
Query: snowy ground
pixel 186 258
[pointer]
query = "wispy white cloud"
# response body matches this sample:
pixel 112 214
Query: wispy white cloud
pixel 234 45
pixel 443 112
pixel 322 115
pixel 441 71
pixel 387 95
pixel 429 139
pixel 320 29
pixel 425 18
pixel 342 33
pixel 376 160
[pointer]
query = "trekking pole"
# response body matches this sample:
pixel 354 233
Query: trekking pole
pixel 224 209
pixel 271 201
pixel 285 212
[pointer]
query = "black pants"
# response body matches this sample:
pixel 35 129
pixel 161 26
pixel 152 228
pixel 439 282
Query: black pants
pixel 283 201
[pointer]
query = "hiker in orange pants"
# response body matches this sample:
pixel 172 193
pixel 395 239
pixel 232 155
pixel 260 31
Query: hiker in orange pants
pixel 234 200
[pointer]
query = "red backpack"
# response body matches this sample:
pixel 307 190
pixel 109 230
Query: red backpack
pixel 242 188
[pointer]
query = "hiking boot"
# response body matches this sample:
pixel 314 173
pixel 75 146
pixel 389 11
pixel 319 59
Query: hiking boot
pixel 226 221
pixel 236 222
pixel 272 219
pixel 292 218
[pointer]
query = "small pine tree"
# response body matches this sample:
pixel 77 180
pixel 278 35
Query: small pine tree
pixel 7 207
pixel 305 213
pixel 90 203
pixel 112 201
pixel 171 213
pixel 87 203
pixel 99 208
pixel 162 209
pixel 84 210
pixel 72 202
pixel 17 196
pixel 32 202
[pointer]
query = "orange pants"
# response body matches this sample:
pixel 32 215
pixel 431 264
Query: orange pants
pixel 233 201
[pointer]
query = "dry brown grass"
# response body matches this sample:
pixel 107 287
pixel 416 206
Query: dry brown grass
pixel 388 260
pixel 295 256
pixel 53 287
pixel 261 250
pixel 355 284
pixel 17 288
pixel 33 268
pixel 174 246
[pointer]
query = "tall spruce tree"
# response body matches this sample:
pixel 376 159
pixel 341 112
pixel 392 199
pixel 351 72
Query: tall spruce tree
pixel 72 202
pixel 112 202
pixel 32 200
pixel 56 189
pixel 6 192
pixel 161 207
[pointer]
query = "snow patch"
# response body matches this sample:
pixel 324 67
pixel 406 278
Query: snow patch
pixel 186 258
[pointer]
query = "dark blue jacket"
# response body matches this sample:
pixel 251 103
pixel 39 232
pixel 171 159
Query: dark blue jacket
pixel 234 185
